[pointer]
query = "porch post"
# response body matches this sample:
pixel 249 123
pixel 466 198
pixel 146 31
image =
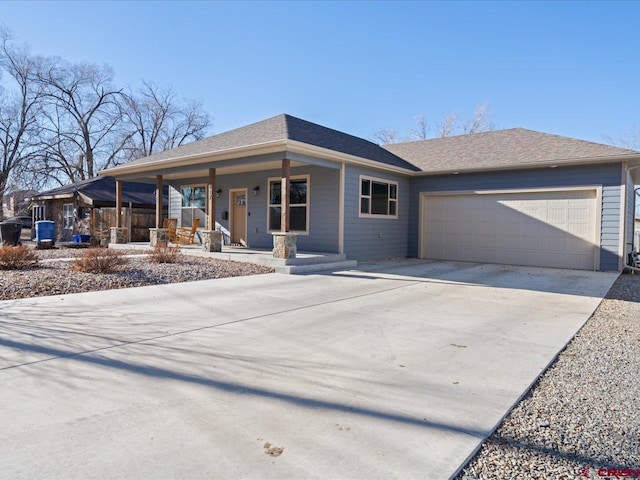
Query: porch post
pixel 118 203
pixel 285 243
pixel 158 236
pixel 211 199
pixel 118 233
pixel 211 238
pixel 284 193
pixel 158 201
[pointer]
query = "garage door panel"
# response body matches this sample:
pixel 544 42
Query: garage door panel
pixel 551 229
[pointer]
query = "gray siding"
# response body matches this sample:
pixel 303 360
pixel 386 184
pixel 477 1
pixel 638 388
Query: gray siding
pixel 323 206
pixel 175 203
pixel 374 238
pixel 607 176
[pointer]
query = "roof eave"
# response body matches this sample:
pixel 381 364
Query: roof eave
pixel 546 164
pixel 58 196
pixel 190 160
pixel 250 150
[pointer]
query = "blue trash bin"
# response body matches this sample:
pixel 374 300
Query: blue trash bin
pixel 45 231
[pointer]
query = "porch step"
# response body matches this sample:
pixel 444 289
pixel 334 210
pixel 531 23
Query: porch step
pixel 316 267
pixel 312 258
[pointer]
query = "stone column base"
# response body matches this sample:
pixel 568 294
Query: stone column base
pixel 118 235
pixel 158 236
pixel 211 240
pixel 285 245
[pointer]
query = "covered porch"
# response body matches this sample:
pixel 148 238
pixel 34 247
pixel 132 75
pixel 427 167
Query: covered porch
pixel 281 201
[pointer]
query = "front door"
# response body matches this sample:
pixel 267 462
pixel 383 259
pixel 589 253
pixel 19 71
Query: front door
pixel 238 227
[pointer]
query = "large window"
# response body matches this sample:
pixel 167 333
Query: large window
pixel 298 204
pixel 378 198
pixel 193 205
pixel 67 216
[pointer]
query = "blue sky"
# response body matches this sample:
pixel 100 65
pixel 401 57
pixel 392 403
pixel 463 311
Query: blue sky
pixel 569 68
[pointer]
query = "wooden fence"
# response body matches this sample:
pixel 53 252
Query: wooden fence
pixel 138 222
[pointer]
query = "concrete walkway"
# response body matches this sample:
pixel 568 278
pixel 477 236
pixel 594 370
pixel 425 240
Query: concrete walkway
pixel 393 370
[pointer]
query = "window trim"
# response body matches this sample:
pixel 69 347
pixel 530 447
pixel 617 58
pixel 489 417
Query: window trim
pixel 360 197
pixel 307 177
pixel 65 217
pixel 194 185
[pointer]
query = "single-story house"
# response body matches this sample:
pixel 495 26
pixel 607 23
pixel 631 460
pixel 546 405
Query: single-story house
pixel 88 208
pixel 511 196
pixel 15 204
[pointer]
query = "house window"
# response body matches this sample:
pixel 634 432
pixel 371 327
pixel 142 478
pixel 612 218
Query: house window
pixel 378 198
pixel 298 204
pixel 193 205
pixel 67 216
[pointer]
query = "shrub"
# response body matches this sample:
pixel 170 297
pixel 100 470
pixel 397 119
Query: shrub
pixel 99 260
pixel 165 254
pixel 16 258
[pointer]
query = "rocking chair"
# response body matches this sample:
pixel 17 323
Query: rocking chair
pixel 184 235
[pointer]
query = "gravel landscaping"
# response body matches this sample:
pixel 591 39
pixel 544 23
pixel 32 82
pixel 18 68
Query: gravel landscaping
pixel 582 418
pixel 54 276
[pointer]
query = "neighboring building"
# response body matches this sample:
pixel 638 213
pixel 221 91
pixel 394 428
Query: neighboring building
pixel 512 196
pixel 15 203
pixel 88 208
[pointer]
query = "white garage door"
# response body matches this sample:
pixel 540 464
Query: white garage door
pixel 545 229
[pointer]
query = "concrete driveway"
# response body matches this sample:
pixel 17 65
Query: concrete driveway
pixel 393 370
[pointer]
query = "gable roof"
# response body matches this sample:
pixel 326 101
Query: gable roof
pixel 101 192
pixel 499 149
pixel 280 128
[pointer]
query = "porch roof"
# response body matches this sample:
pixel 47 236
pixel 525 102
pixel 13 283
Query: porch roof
pixel 262 146
pixel 100 192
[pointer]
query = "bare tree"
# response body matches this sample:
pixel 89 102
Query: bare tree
pixel 421 129
pixel 19 111
pixel 82 120
pixel 481 120
pixel 629 138
pixel 385 136
pixel 158 120
pixel 447 126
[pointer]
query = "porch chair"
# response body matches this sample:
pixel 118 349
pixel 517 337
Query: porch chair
pixel 171 224
pixel 184 235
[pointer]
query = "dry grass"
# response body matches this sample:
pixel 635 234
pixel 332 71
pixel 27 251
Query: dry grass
pixel 17 258
pixel 99 260
pixel 165 254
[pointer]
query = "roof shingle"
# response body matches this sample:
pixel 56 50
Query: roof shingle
pixel 515 147
pixel 282 127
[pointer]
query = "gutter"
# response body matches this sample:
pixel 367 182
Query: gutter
pixel 189 160
pixel 568 162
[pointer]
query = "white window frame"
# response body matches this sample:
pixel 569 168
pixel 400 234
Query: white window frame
pixel 67 216
pixel 389 199
pixel 307 177
pixel 182 207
